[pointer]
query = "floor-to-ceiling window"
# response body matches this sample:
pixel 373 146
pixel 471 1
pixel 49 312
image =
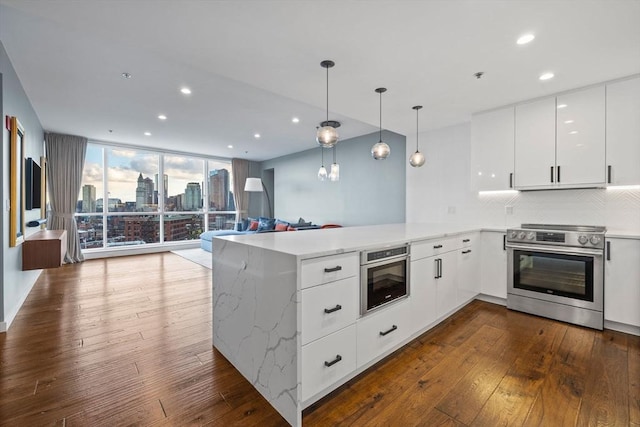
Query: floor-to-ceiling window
pixel 133 196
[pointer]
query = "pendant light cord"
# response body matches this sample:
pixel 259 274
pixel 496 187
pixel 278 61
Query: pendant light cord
pixel 380 116
pixel 417 109
pixel 327 94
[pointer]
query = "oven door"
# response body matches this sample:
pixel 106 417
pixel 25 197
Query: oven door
pixel 570 276
pixel 383 282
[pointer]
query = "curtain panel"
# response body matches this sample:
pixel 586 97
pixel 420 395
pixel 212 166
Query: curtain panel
pixel 65 161
pixel 240 170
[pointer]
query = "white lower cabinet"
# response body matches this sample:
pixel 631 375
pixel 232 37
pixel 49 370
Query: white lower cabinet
pixel 493 264
pixel 381 331
pixel 327 360
pixel 467 277
pixel 445 267
pixel 622 281
pixel 423 294
pixel 328 308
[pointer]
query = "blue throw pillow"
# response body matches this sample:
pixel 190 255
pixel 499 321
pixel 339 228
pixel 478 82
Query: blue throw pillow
pixel 266 224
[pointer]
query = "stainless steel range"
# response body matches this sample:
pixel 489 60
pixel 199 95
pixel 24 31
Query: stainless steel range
pixel 557 271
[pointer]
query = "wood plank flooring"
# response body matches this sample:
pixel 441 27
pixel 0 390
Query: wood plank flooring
pixel 127 341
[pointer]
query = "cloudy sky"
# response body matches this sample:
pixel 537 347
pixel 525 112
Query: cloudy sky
pixel 125 165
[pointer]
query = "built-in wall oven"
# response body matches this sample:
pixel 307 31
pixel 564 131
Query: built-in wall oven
pixel 557 271
pixel 384 276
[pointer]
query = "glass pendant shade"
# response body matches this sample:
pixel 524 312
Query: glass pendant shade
pixel 322 173
pixel 327 136
pixel 417 159
pixel 380 150
pixel 334 175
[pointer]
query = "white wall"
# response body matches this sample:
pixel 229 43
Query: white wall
pixel 440 191
pixel 16 284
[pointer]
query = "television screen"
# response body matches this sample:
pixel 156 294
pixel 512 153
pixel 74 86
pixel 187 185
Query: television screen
pixel 32 192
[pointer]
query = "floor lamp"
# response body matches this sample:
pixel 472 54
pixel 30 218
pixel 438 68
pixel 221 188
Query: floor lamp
pixel 256 185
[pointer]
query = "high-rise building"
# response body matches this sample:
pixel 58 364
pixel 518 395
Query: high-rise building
pixel 144 193
pixel 165 183
pixel 88 198
pixel 192 197
pixel 219 189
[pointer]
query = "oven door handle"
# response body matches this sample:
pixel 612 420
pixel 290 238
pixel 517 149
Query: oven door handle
pixel 556 249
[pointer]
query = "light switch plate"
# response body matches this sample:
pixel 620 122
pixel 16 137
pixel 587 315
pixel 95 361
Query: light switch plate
pixel 508 210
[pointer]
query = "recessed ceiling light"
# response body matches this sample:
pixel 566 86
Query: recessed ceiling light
pixel 566 122
pixel 256 135
pixel 126 75
pixel 229 146
pixel 525 38
pixel 295 120
pixel 162 117
pixel 546 76
pixel 562 106
pixel 147 134
pixel 573 132
pixel 186 91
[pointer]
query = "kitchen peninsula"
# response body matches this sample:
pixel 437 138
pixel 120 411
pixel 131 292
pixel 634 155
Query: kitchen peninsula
pixel 286 306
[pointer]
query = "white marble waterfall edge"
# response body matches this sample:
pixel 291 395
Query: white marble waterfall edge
pixel 255 320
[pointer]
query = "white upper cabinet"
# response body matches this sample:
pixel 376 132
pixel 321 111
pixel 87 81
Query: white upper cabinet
pixel 535 144
pixel 560 142
pixel 492 137
pixel 623 132
pixel 580 143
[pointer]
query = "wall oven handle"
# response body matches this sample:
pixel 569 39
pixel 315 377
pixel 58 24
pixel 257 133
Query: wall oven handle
pixel 333 362
pixel 331 310
pixel 608 250
pixel 334 269
pixel 558 249
pixel 383 333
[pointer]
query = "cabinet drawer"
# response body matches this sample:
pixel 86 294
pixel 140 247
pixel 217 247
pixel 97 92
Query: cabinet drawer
pixel 328 308
pixel 381 331
pixel 337 350
pixel 427 248
pixel 327 269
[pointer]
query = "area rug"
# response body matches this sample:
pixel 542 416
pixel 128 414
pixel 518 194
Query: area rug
pixel 197 255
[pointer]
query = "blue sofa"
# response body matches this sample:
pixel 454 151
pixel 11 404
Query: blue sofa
pixel 206 238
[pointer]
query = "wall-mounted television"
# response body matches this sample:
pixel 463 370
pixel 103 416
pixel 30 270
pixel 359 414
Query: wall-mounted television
pixel 33 190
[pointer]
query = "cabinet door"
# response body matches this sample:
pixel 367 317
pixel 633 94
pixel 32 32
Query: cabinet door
pixel 468 274
pixel 423 294
pixel 492 139
pixel 580 146
pixel 493 265
pixel 623 132
pixel 622 281
pixel 535 144
pixel 446 286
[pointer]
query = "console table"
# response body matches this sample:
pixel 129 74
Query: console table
pixel 44 249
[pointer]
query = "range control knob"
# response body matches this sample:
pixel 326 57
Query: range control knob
pixel 521 235
pixel 513 234
pixel 594 240
pixel 583 239
pixel 531 235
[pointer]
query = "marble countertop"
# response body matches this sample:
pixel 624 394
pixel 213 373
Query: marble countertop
pixel 314 243
pixel 622 234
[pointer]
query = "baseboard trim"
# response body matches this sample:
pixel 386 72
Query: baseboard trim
pixel 622 327
pixel 492 299
pixel 10 317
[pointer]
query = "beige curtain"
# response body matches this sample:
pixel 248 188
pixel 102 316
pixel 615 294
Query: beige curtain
pixel 240 170
pixel 65 161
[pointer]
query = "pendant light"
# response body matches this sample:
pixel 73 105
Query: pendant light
pixel 380 150
pixel 334 175
pixel 417 159
pixel 322 172
pixel 327 135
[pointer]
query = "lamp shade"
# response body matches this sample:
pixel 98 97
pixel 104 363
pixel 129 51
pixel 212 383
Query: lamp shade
pixel 253 184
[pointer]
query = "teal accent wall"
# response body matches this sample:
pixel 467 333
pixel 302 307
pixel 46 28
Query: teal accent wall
pixel 369 191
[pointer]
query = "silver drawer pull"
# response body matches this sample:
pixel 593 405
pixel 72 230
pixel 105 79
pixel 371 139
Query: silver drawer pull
pixel 333 362
pixel 393 328
pixel 331 310
pixel 331 270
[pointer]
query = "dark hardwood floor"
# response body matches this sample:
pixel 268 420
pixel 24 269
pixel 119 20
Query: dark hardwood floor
pixel 127 341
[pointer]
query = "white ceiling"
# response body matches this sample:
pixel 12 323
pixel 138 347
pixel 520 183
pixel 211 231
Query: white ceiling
pixel 253 65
